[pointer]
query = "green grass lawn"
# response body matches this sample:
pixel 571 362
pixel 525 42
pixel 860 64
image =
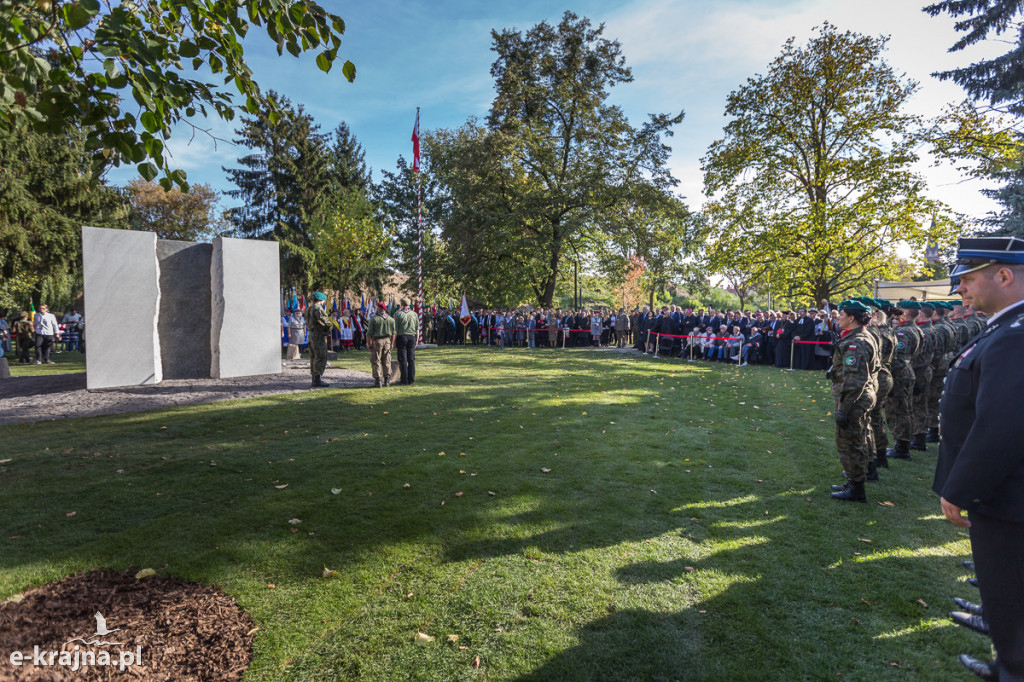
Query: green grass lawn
pixel 64 363
pixel 570 515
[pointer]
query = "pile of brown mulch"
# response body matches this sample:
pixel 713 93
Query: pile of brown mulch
pixel 186 631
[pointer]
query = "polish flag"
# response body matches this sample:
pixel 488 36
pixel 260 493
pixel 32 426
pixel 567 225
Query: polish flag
pixel 416 144
pixel 464 313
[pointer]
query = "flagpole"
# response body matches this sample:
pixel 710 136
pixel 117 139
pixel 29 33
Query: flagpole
pixel 419 230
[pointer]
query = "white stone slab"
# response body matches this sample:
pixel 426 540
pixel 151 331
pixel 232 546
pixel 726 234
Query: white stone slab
pixel 122 302
pixel 245 283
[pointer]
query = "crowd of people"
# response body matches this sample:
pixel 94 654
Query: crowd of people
pixel 35 336
pixel 799 338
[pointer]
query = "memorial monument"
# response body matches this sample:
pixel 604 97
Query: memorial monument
pixel 162 309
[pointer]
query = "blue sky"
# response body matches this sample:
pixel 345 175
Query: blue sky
pixel 685 55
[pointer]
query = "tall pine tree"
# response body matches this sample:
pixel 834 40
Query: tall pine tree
pixel 999 83
pixel 284 184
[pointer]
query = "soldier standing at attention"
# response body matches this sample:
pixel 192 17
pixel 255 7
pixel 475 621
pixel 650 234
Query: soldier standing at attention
pixel 380 338
pixel 406 327
pixel 318 324
pixel 886 340
pixel 945 343
pixel 980 467
pixel 922 374
pixel 854 375
pixel 899 409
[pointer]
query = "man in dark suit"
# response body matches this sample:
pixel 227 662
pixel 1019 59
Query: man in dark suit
pixel 980 466
pixel 803 330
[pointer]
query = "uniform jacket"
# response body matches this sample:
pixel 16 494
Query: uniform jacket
pixel 980 466
pixel 855 364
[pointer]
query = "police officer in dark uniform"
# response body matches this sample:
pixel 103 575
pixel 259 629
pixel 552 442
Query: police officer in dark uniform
pixel 980 466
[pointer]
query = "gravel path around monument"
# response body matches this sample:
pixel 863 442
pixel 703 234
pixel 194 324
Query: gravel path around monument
pixel 41 398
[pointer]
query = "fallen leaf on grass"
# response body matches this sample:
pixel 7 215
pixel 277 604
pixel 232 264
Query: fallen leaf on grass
pixel 491 493
pixel 545 470
pixel 458 494
pixel 271 586
pixel 476 659
pixel 865 540
pixel 423 639
pixel 886 504
pixel 252 632
pixel 406 486
pixel 328 573
pixel 689 569
pixel 4 461
pixel 335 491
pixel 145 573
pixel 294 521
pixel 281 487
pixel 70 514
pixel 441 454
pixel 452 638
pixel 14 599
pixel 922 603
pixel 865 601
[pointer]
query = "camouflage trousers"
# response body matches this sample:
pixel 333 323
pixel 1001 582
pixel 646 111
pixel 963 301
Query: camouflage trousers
pixel 920 399
pixel 935 395
pixel 853 442
pixel 317 353
pixel 879 435
pixel 899 410
pixel 380 359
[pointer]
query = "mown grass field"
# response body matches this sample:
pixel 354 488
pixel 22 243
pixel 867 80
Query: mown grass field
pixel 570 515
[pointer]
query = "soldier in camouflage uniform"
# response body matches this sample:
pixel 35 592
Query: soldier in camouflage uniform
pixel 899 411
pixel 318 323
pixel 886 340
pixel 922 373
pixel 945 344
pixel 854 375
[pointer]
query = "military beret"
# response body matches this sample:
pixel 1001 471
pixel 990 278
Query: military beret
pixel 320 296
pixel 909 305
pixel 927 305
pixel 883 303
pixel 852 306
pixel 948 305
pixel 975 253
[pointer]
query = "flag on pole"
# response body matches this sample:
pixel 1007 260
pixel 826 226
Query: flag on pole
pixel 416 144
pixel 464 313
pixel 334 306
pixel 32 312
pixel 362 304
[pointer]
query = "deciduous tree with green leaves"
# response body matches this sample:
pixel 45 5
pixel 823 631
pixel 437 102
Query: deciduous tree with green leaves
pixel 172 214
pixel 126 72
pixel 553 155
pixel 812 184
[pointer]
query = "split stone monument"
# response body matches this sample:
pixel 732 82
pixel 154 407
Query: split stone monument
pixel 162 309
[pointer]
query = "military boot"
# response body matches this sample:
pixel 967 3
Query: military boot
pixel 872 472
pixel 933 435
pixel 918 442
pixel 901 451
pixel 840 487
pixel 316 381
pixel 881 458
pixel 855 493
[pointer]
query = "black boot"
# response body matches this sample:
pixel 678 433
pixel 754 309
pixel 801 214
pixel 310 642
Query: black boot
pixel 855 493
pixel 872 472
pixel 841 487
pixel 376 383
pixel 918 442
pixel 901 451
pixel 881 458
pixel 316 381
pixel 933 435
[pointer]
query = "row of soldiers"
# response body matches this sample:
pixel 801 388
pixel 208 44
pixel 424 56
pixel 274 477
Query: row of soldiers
pixel 903 361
